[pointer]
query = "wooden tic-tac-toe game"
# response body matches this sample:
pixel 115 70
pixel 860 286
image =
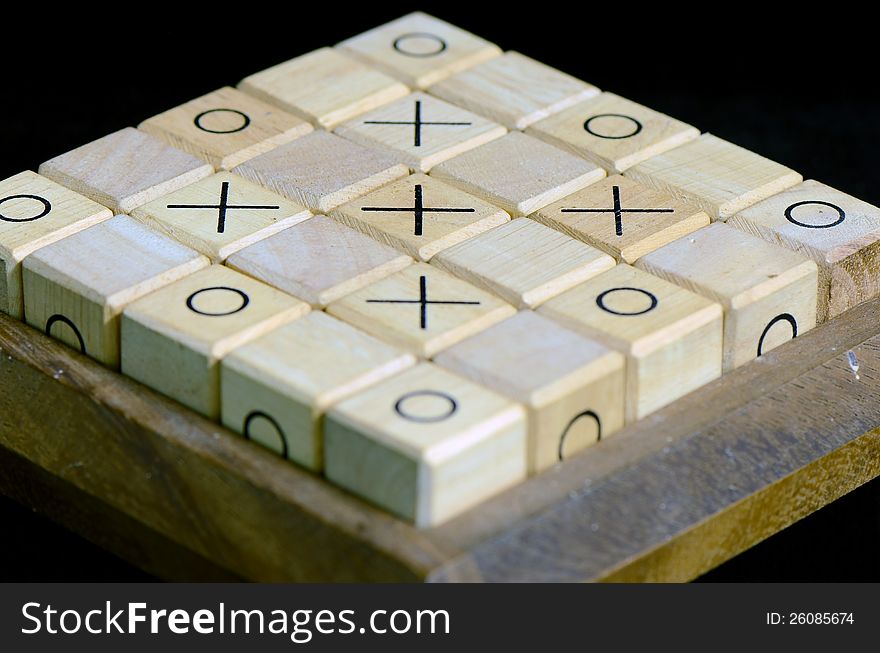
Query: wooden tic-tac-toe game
pixel 413 307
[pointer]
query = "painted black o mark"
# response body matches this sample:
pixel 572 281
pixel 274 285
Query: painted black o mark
pixel 245 300
pixel 419 35
pixel 258 414
pixel 198 121
pixel 587 413
pixel 47 206
pixel 841 215
pixel 399 408
pixel 637 126
pixel 787 317
pixel 600 300
pixel 65 320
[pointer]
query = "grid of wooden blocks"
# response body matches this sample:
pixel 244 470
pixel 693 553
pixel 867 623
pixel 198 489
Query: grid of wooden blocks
pixel 423 267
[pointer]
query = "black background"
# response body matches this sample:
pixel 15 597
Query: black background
pixel 797 87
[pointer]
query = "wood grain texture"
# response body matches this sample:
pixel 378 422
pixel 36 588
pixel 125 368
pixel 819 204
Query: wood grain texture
pixel 322 171
pixel 276 389
pixel 589 215
pixel 523 262
pixel 325 87
pixel 225 127
pixel 125 169
pixel 839 232
pixel 35 211
pixel 718 176
pixel 513 90
pixel 412 443
pixel 319 260
pixel 613 132
pixel 420 234
pixel 173 339
pixel 419 49
pixel 421 145
pixel 77 287
pixel 762 287
pixel 519 173
pixel 571 387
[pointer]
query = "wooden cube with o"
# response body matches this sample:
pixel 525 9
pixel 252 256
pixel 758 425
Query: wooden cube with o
pixel 221 214
pixel 768 292
pixel 420 215
pixel 672 337
pixel 523 262
pixel 623 218
pixel 571 386
pixel 75 289
pixel 421 308
pixel 839 232
pixel 613 132
pixel 426 444
pixel 125 169
pixel 419 49
pixel 35 212
pixel 718 176
pixel 173 339
pixel 225 127
pixel 276 389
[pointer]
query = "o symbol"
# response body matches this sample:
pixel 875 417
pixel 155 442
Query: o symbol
pixel 840 215
pixel 587 413
pixel 440 44
pixel 244 299
pixel 66 320
pixel 637 126
pixel 787 317
pixel 258 414
pixel 600 301
pixel 42 200
pixel 245 121
pixel 446 413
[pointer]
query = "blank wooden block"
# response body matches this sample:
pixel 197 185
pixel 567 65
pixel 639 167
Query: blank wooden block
pixel 34 212
pixel 572 387
pixel 221 214
pixel 76 288
pixel 226 127
pixel 518 173
pixel 174 338
pixel 421 130
pixel 125 169
pixel 420 215
pixel 839 232
pixel 513 90
pixel 426 444
pixel 720 177
pixel 322 171
pixel 325 87
pixel 672 337
pixel 422 309
pixel 768 292
pixel 622 218
pixel 523 262
pixel 276 389
pixel 613 132
pixel 319 260
pixel 419 49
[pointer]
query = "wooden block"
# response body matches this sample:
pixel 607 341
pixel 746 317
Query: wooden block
pixel 419 49
pixel 276 389
pixel 672 337
pixel 34 212
pixel 613 132
pixel 519 173
pixel 226 127
pixel 425 445
pixel 420 215
pixel 125 169
pixel 623 218
pixel 174 338
pixel 221 214
pixel 76 288
pixel 513 90
pixel 572 387
pixel 523 262
pixel 422 309
pixel 322 171
pixel 839 232
pixel 720 177
pixel 768 292
pixel 421 130
pixel 318 261
pixel 325 87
